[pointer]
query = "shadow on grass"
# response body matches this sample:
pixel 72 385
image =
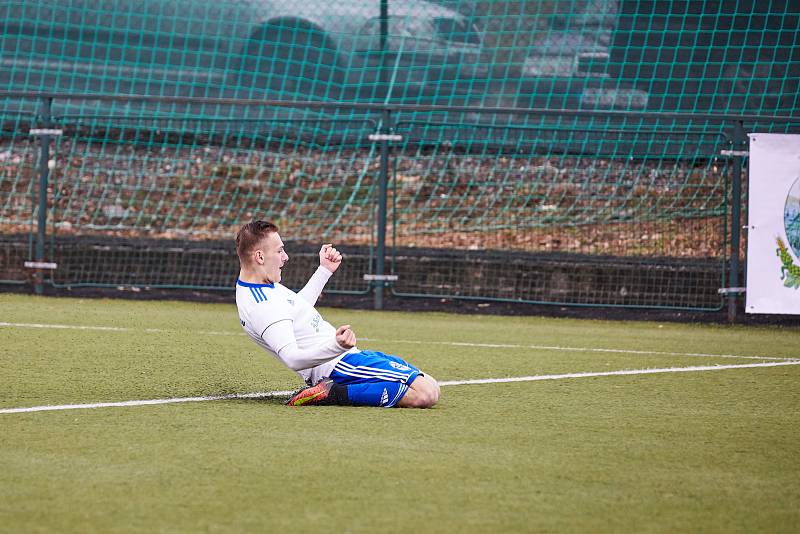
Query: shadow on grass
pixel 267 399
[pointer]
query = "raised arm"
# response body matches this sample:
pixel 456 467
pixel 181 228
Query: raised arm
pixel 329 261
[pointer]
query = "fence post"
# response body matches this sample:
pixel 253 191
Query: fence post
pixel 44 171
pixel 739 142
pixel 384 162
pixel 382 210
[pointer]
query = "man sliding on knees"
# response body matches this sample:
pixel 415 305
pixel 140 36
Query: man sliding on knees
pixel 287 325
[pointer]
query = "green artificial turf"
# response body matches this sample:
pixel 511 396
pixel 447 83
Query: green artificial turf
pixel 693 451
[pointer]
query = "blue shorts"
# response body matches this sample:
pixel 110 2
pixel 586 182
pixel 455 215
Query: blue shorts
pixel 373 367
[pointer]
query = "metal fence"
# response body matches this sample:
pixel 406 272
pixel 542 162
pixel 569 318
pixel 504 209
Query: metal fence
pixel 578 152
pixel 540 206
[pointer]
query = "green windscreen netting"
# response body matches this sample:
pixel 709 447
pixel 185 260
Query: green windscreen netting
pixel 721 56
pixel 540 207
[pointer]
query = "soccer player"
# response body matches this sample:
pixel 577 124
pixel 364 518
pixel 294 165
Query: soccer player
pixel 287 325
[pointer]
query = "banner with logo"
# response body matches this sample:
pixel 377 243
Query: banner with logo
pixel 773 244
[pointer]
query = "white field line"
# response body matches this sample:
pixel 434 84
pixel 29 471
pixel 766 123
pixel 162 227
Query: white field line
pixel 580 349
pixel 416 342
pixel 121 404
pixel 534 378
pixel 65 326
pixel 114 329
pixel 696 368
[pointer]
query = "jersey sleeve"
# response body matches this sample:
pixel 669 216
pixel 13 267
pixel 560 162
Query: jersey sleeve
pixel 273 320
pixel 280 338
pixel 313 288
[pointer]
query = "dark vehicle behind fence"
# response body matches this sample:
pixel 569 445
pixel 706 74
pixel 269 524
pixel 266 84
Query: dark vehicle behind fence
pixel 315 49
pixel 716 56
pixel 690 57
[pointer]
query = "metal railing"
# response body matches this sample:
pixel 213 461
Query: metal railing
pixel 389 124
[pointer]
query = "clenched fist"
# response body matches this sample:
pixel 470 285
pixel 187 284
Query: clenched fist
pixel 329 257
pixel 345 337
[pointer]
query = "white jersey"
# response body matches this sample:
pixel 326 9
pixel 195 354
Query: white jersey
pixel 288 326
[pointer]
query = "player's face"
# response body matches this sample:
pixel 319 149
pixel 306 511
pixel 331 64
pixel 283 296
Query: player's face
pixel 271 257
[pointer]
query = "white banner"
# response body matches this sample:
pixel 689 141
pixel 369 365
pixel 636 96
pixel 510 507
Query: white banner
pixel 773 243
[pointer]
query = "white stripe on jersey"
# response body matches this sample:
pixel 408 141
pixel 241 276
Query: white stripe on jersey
pixel 365 369
pixel 400 391
pixel 373 374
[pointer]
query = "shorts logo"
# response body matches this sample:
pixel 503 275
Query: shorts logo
pixel 399 366
pixel 384 397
